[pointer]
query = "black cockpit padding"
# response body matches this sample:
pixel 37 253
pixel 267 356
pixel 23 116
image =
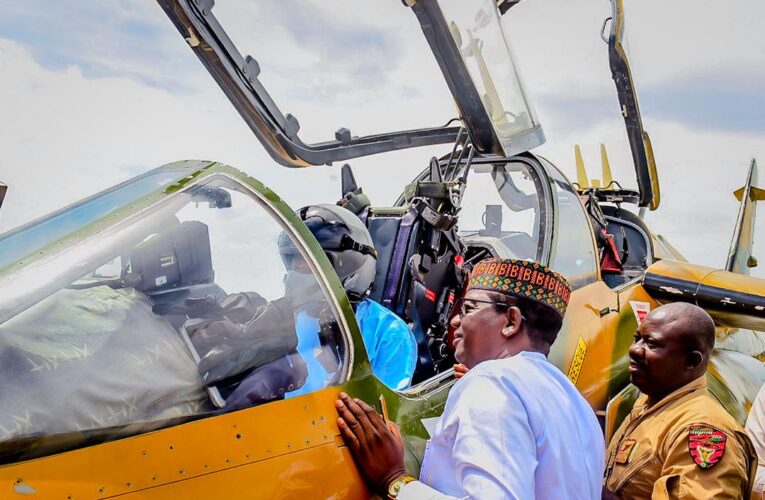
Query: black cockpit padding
pixel 413 281
pixel 425 366
pixel 177 258
pixel 384 230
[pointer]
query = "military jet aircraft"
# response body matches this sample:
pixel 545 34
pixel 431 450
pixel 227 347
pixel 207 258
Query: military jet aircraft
pixel 105 394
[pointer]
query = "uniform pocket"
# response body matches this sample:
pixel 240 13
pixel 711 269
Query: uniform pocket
pixel 668 488
pixel 630 470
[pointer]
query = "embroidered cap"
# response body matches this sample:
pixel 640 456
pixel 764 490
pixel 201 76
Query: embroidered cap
pixel 522 278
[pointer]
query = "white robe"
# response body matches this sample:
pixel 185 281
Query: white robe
pixel 513 428
pixel 755 428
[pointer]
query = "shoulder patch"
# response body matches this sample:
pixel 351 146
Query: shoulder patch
pixel 706 445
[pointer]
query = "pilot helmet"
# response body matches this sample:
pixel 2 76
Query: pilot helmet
pixel 346 242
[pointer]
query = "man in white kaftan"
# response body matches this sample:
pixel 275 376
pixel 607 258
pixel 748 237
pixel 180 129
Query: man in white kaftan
pixel 514 426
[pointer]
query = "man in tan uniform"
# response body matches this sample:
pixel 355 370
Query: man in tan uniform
pixel 678 442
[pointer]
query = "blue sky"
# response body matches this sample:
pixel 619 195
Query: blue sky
pixel 132 39
pixel 98 92
pixel 103 39
pixel 731 101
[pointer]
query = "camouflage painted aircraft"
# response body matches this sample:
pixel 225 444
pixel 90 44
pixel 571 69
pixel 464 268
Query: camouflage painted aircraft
pixel 104 394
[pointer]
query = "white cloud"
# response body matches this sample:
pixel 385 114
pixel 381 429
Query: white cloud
pixel 120 38
pixel 368 69
pixel 65 136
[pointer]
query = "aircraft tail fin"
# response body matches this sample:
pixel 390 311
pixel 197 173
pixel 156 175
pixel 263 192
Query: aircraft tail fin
pixel 740 258
pixel 607 177
pixel 581 172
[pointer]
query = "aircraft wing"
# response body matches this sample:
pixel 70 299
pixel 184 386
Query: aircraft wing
pixel 733 300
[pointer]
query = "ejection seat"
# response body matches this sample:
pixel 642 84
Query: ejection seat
pixel 623 241
pixel 418 265
pixel 175 266
pixel 168 268
pixel 174 270
pixel 631 236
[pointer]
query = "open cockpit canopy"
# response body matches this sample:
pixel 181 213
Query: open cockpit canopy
pixel 470 47
pixel 640 143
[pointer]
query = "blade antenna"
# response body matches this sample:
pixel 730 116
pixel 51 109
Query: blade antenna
pixel 581 171
pixel 606 166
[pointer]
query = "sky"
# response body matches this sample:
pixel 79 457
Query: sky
pixel 94 93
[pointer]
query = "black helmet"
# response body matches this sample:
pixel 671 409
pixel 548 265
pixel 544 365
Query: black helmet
pixel 345 240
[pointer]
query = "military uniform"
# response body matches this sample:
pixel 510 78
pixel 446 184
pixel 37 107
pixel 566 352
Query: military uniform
pixel 684 446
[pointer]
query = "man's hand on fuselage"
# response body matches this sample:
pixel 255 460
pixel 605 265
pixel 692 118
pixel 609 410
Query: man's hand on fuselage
pixel 377 448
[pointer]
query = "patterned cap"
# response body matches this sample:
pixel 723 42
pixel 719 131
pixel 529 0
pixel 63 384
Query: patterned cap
pixel 522 278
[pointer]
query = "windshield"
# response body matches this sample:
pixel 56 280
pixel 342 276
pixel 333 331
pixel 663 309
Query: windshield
pixel 504 208
pixel 572 89
pixel 488 57
pixel 203 302
pixel 573 249
pixel 28 239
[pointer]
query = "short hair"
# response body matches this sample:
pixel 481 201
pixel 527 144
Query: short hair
pixel 695 325
pixel 705 325
pixel 542 321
